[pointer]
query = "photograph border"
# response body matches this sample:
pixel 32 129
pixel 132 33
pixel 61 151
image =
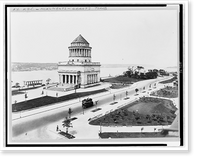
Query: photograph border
pixel 180 72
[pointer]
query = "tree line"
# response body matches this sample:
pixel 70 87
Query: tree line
pixel 139 73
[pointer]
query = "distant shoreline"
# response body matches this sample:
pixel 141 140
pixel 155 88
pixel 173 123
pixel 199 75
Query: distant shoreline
pixel 21 67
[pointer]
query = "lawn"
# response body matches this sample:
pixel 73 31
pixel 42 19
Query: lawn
pixel 145 111
pixel 47 100
pixel 22 91
pixel 169 92
pixel 122 79
pixel 131 135
pixel 169 80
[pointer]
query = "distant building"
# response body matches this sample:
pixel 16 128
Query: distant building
pixel 79 69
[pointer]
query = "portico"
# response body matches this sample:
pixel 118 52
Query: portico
pixel 68 79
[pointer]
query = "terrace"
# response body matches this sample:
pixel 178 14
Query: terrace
pixel 70 63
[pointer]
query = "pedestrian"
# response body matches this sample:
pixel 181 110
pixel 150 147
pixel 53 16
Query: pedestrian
pixel 57 128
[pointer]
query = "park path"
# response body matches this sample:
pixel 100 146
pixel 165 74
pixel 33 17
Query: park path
pixel 40 92
pixel 83 130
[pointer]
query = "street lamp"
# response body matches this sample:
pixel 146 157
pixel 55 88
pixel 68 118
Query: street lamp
pixel 114 97
pixel 100 128
pixel 96 102
pixel 83 108
pixel 26 96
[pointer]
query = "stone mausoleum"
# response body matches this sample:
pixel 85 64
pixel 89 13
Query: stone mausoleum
pixel 79 70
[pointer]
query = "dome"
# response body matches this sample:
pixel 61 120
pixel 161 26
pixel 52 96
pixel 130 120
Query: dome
pixel 80 39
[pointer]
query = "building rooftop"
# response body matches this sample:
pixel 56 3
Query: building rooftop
pixel 80 39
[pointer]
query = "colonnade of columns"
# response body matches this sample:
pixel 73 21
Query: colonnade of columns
pixel 34 82
pixel 92 78
pixel 80 52
pixel 68 79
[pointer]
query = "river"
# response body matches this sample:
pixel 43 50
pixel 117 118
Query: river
pixel 19 77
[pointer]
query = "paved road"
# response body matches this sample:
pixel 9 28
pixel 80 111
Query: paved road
pixel 50 114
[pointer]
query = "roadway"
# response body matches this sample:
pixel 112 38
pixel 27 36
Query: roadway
pixel 27 121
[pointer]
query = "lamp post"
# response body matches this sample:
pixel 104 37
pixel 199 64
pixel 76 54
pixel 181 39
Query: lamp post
pixel 83 108
pixel 100 128
pixel 114 97
pixel 26 96
pixel 96 102
pixel 126 94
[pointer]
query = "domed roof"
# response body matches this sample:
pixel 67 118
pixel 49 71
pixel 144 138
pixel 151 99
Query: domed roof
pixel 80 39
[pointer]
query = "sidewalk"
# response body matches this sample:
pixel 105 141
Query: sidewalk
pixel 81 128
pixel 40 92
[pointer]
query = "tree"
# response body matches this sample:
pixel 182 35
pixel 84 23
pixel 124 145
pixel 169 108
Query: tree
pixel 17 85
pixel 127 73
pixel 67 123
pixel 114 97
pixel 48 80
pixel 26 96
pixel 136 90
pixel 70 112
pixel 126 93
pixel 155 70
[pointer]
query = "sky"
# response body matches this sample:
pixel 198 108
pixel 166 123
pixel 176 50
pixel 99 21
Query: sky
pixel 117 37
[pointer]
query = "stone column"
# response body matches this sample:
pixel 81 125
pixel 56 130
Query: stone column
pixel 63 79
pixel 59 78
pixel 87 79
pixel 71 79
pixel 86 52
pixel 74 81
pixel 92 78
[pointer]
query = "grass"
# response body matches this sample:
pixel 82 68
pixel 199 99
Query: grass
pixel 21 91
pixel 16 92
pixel 168 92
pixel 131 135
pixel 169 80
pixel 147 111
pixel 122 79
pixel 119 85
pixel 47 100
pixel 67 135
